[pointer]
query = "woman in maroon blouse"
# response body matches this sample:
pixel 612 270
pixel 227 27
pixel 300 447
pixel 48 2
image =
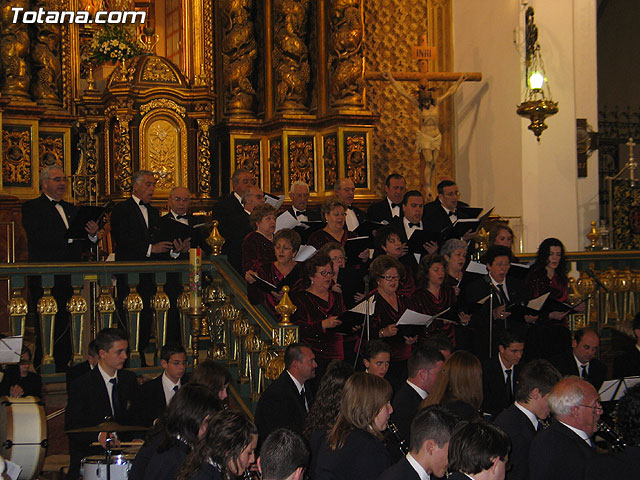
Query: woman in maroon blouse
pixel 333 212
pixel 386 272
pixel 454 252
pixel 285 268
pixel 388 242
pixel 318 308
pixel 257 246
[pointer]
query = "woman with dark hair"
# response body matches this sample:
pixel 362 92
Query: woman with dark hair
pixel 353 447
pixel 386 272
pixel 548 274
pixel 284 269
pixel 213 376
pixel 376 357
pixel 225 451
pixel 458 386
pixel 388 242
pixel 175 434
pixel 318 309
pixel 257 246
pixel 18 381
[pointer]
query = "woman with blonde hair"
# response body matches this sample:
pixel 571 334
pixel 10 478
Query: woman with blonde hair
pixel 353 447
pixel 459 386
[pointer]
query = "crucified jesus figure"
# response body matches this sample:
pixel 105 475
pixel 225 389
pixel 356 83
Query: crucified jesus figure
pixel 428 138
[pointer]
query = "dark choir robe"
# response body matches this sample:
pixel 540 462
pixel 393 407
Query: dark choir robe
pixel 407 286
pixel 615 466
pixel 321 237
pixel 406 403
pixel 547 337
pixel 170 228
pixel 426 302
pixel 385 315
pixel 400 471
pixel 311 311
pixel 495 394
pixel 351 282
pixel 381 211
pixel 257 250
pixel 435 218
pixel 566 365
pixel 234 226
pixel 270 273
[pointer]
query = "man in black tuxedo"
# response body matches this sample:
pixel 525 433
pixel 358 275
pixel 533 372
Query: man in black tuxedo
pixel 446 209
pixel 389 207
pixel 627 364
pixel 133 224
pixel 285 403
pixel 300 210
pixel 500 373
pixel 580 360
pixel 229 211
pixel 344 189
pixel 430 434
pixel 46 220
pixel 424 366
pixel 521 420
pixel 80 369
pixel 478 450
pixel 284 455
pixel 561 451
pixel 106 392
pixel 155 395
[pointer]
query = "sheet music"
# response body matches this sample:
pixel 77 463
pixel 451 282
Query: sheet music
pixel 287 220
pixel 477 267
pixel 10 348
pixel 362 306
pixel 304 253
pixel 409 317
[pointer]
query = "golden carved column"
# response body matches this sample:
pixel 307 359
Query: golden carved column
pixel 133 305
pixel 160 304
pixel 253 345
pixel 47 309
pixel 77 307
pixel 106 307
pixel 14 45
pixel 46 59
pixel 123 162
pixel 84 183
pixel 204 157
pixel 18 310
pixel 346 54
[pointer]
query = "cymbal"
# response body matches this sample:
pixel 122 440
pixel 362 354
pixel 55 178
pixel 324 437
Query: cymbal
pixel 108 427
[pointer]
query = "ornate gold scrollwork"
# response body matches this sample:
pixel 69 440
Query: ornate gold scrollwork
pixel 356 155
pixel 47 309
pixel 16 162
pixel 253 345
pixel 241 329
pixel 162 103
pixel 85 179
pixel 18 310
pixel 14 50
pixel 330 156
pixel 77 307
pixel 204 157
pixel 275 366
pixel 51 149
pixel 123 164
pixel 184 306
pixel 265 356
pixel 301 160
pixel 133 305
pixel 156 70
pixel 106 307
pixel 46 58
pixel 215 240
pixel 275 165
pixel 160 304
pixel 163 152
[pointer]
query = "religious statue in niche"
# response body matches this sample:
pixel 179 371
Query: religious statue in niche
pixel 428 137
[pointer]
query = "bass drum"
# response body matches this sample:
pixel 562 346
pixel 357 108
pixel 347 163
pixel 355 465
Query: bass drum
pixel 95 467
pixel 23 434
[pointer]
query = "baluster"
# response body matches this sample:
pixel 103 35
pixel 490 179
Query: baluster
pixel 241 330
pixel 133 305
pixel 160 304
pixel 184 305
pixel 106 307
pixel 230 314
pixel 77 308
pixel 253 344
pixel 265 356
pixel 47 309
pixel 18 310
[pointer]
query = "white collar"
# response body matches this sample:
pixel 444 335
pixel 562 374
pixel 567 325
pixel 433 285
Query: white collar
pixel 422 473
pixel 51 198
pixel 445 208
pixel 504 367
pixel 136 199
pixel 530 415
pixel 167 383
pixel 105 375
pixel 423 393
pixel 495 283
pixel 582 434
pixel 406 223
pixel 298 385
pixel 238 197
pixel 176 214
pixel 638 347
pixel 580 364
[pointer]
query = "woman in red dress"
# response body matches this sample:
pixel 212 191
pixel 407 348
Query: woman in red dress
pixel 257 246
pixel 388 242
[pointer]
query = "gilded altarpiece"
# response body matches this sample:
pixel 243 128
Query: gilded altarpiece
pixel 392 27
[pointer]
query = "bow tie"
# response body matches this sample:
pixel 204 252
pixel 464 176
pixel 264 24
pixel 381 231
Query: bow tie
pixel 55 202
pixel 143 204
pixel 300 212
pixel 414 225
pixel 394 205
pixel 178 217
pixel 453 213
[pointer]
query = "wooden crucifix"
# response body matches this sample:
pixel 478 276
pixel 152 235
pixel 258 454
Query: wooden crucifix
pixel 428 138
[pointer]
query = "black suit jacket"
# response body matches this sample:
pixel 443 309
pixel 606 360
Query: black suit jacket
pixel 150 402
pixel 405 404
pixel 46 231
pixel 615 466
pixel 495 395
pixel 170 229
pixel 312 216
pixel 380 211
pixel 402 470
pixel 360 215
pixel 627 364
pixel 233 226
pixel 436 219
pixel 130 233
pixel 557 453
pixel 280 405
pixel 521 432
pixel 566 365
pixel 76 372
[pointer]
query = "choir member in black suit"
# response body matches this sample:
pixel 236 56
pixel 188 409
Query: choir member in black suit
pixel 424 367
pixel 478 450
pixel 561 452
pixel 225 451
pixel 353 447
pixel 500 373
pixel 286 401
pixel 318 309
pixel 46 220
pixel 521 420
pixel 283 456
pixel 155 395
pixel 233 220
pixel 257 246
pixel 624 464
pixel 627 364
pixel 344 190
pixel 458 386
pixel 446 209
pixel 84 367
pixel 18 381
pixel 389 242
pixel 299 209
pixel 107 391
pixel 386 272
pixel 286 243
pixel 581 359
pixel 391 206
pixel 505 291
pixel 175 434
pixel 215 377
pixel 430 434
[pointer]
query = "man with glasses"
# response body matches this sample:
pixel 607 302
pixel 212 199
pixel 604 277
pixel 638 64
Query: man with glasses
pixel 446 209
pixel 562 450
pixel 344 189
pixel 155 395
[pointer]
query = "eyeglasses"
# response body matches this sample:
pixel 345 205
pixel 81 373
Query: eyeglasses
pixel 58 179
pixel 390 278
pixel 177 363
pixel 326 273
pixel 181 199
pixel 336 259
pixel 452 194
pixel 597 407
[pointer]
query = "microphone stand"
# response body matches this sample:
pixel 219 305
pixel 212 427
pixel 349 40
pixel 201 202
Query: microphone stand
pixel 488 280
pixel 366 320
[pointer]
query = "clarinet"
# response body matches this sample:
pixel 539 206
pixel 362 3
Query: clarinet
pixel 250 475
pixel 402 445
pixel 609 435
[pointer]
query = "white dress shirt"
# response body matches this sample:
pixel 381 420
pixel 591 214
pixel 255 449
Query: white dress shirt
pixel 351 220
pixel 168 387
pixel 422 473
pixel 530 415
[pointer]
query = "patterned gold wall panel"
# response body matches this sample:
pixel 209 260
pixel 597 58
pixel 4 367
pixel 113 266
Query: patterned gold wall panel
pixel 355 144
pixel 276 184
pixel 247 155
pixel 330 156
pixel 392 28
pixel 51 149
pixel 16 161
pixel 301 155
pixel 626 215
